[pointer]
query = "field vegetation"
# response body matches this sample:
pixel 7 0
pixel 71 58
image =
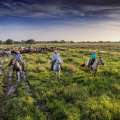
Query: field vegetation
pixel 77 95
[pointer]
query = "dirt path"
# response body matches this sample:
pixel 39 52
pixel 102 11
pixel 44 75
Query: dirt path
pixel 1 65
pixel 9 88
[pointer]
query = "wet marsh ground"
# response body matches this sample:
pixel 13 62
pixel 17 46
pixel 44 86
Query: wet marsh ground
pixel 78 96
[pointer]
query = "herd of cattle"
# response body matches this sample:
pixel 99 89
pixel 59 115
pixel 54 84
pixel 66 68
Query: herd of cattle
pixel 29 49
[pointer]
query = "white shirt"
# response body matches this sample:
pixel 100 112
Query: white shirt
pixel 55 56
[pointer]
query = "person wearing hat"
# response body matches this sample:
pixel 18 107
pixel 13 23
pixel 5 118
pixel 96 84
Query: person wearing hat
pixel 19 58
pixel 55 56
pixel 93 57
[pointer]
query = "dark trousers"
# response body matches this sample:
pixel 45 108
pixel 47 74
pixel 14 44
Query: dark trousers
pixel 91 62
pixel 52 64
pixel 23 66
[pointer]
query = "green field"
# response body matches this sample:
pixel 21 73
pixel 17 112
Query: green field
pixel 77 96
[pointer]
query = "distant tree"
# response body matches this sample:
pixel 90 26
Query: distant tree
pixel 55 41
pixel 88 42
pixel 30 41
pixel 23 41
pixel 62 41
pixel 1 42
pixel 100 41
pixel 17 42
pixel 108 41
pixel 9 41
pixel 72 41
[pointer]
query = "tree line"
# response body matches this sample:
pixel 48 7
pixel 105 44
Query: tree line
pixel 32 41
pixel 10 41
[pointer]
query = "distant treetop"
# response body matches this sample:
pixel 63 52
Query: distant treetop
pixel 9 41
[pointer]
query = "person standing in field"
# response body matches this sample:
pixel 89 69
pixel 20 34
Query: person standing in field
pixel 93 57
pixel 19 58
pixel 55 56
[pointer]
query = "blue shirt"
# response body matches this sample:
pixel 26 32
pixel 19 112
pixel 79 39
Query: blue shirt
pixel 93 56
pixel 18 57
pixel 55 56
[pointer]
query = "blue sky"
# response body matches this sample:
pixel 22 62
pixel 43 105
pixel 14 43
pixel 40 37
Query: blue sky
pixel 44 20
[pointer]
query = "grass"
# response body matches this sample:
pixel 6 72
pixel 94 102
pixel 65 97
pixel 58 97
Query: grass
pixel 72 97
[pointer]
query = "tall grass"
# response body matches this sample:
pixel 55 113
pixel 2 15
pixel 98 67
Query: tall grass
pixel 77 96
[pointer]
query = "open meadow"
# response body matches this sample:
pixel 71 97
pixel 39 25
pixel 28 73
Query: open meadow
pixel 77 95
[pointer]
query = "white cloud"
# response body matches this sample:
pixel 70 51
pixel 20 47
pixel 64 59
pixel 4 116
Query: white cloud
pixel 78 30
pixel 55 10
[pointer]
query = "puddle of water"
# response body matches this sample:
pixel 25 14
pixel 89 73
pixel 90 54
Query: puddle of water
pixel 24 76
pixel 2 62
pixel 11 72
pixel 12 89
pixel 28 88
pixel 0 72
pixel 10 76
pixel 1 67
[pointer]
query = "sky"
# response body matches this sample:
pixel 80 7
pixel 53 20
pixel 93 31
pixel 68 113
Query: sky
pixel 46 20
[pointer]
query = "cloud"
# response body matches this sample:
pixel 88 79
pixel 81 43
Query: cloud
pixel 32 10
pixel 64 19
pixel 60 9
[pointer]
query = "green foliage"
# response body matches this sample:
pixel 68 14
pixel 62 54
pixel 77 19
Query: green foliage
pixel 31 41
pixel 1 42
pixel 22 106
pixel 9 41
pixel 77 96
